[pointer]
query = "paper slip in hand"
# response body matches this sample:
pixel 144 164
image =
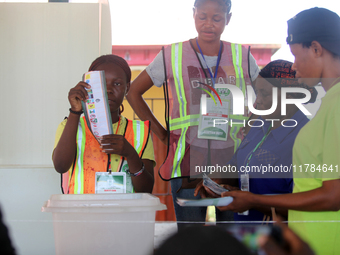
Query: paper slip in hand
pixel 213 186
pixel 96 108
pixel 221 201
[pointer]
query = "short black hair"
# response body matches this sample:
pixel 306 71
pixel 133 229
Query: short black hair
pixel 308 44
pixel 226 2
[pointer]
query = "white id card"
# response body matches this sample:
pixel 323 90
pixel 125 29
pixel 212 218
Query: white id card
pixel 214 124
pixel 244 187
pixel 114 182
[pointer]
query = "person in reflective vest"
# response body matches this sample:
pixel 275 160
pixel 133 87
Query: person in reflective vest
pixel 186 149
pixel 79 155
pixel 192 70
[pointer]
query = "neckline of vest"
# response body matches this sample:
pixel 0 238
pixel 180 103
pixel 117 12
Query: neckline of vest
pixel 196 52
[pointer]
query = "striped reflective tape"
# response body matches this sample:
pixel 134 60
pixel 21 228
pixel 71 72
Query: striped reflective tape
pixel 176 62
pixel 79 173
pixel 138 131
pixel 187 121
pixel 237 62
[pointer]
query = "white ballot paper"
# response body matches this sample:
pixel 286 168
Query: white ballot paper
pixel 221 201
pixel 96 107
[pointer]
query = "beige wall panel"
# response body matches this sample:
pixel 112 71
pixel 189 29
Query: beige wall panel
pixel 45 49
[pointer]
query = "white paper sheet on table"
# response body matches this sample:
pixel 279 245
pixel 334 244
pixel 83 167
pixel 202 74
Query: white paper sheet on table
pixel 96 107
pixel 221 201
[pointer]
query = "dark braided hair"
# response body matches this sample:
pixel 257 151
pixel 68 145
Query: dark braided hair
pixel 114 59
pixel 226 2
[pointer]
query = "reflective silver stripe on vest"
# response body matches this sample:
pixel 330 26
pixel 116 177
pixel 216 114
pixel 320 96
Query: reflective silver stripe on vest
pixel 137 136
pixel 79 174
pixel 189 120
pixel 176 60
pixel 237 60
pixel 179 80
pixel 176 170
pixel 240 82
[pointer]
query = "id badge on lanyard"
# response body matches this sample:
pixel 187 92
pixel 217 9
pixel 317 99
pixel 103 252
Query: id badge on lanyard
pixel 214 114
pixel 110 182
pixel 245 177
pixel 214 118
pixel 244 187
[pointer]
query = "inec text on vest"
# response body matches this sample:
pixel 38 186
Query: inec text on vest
pixel 238 105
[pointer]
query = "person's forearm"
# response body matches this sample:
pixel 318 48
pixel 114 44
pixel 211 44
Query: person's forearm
pixel 267 211
pixel 145 181
pixel 64 153
pixel 320 199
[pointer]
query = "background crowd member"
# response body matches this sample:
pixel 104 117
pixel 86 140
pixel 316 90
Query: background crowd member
pixel 291 244
pixel 6 247
pixel 314 205
pixel 269 144
pixel 187 68
pixel 202 240
pixel 110 152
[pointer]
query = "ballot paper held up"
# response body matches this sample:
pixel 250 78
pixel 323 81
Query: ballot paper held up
pixel 96 107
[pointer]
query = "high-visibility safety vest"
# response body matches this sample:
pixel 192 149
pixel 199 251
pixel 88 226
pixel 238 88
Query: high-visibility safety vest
pixel 90 159
pixel 184 74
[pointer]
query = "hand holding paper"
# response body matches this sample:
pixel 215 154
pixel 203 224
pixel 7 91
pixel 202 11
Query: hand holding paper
pixel 116 144
pixel 77 95
pixel 242 201
pixel 216 188
pixel 209 188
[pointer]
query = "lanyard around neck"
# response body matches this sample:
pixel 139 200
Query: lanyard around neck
pixel 213 77
pixel 258 145
pixel 118 125
pixel 109 156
